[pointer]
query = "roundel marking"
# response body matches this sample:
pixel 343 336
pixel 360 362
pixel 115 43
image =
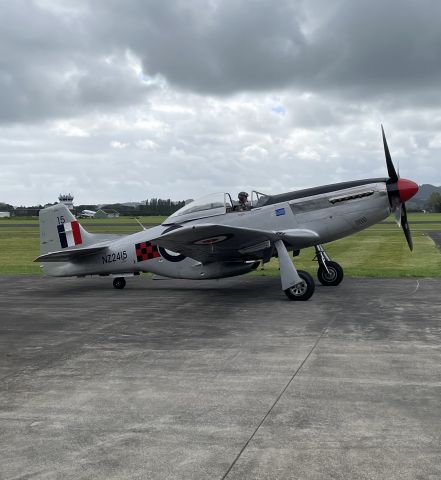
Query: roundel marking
pixel 171 256
pixel 212 240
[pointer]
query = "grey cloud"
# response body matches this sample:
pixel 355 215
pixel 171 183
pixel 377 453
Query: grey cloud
pixel 275 95
pixel 376 45
pixel 216 47
pixel 52 66
pixel 224 47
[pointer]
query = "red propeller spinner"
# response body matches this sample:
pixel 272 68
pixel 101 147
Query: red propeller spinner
pixel 407 189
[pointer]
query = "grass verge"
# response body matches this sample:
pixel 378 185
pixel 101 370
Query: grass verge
pixel 380 251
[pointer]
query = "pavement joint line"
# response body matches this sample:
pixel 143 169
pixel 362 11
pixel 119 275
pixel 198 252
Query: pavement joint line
pixel 416 288
pixel 436 238
pixel 323 332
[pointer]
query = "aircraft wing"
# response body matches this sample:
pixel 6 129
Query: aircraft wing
pixel 213 242
pixel 67 255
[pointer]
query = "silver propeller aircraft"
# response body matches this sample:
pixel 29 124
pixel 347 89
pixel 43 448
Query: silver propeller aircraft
pixel 211 238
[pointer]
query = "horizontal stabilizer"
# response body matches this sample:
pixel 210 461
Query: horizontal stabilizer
pixel 70 255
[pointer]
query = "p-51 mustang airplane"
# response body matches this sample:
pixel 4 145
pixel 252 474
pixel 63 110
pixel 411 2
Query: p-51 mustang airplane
pixel 208 238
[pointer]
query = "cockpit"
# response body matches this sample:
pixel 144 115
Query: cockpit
pixel 211 206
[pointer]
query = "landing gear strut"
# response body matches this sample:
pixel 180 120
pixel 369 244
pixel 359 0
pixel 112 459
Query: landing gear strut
pixel 297 285
pixel 329 273
pixel 119 283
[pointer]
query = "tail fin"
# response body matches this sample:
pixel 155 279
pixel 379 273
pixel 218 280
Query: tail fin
pixel 60 229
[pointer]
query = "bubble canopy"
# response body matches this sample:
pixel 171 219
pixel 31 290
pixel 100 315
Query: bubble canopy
pixel 211 205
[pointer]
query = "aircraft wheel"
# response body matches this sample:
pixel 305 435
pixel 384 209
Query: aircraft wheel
pixel 333 278
pixel 119 283
pixel 303 291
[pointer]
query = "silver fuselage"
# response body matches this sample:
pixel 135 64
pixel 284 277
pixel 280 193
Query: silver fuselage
pixel 332 213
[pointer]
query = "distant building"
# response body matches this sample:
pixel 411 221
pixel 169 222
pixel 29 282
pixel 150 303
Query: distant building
pixel 5 214
pixel 67 199
pixel 26 212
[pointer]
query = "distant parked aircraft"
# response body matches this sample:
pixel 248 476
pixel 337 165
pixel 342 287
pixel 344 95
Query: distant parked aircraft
pixel 87 214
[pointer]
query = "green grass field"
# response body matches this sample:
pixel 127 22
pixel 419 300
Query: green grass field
pixel 380 251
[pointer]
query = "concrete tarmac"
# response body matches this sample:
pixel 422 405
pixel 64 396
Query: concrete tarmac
pixel 173 379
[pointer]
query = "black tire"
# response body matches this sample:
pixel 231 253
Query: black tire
pixel 119 283
pixel 333 278
pixel 304 290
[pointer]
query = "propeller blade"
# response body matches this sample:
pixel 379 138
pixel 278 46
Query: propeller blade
pixel 405 226
pixel 398 216
pixel 390 166
pixel 398 190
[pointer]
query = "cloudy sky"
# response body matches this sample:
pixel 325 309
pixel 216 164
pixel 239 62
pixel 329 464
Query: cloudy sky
pixel 118 100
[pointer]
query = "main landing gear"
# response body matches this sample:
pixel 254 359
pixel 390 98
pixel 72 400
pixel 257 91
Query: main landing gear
pixel 119 283
pixel 329 273
pixel 301 291
pixel 297 285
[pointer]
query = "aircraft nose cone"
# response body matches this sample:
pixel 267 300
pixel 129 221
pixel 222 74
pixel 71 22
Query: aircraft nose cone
pixel 407 189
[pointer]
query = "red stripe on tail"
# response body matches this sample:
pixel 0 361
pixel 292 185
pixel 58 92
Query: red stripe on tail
pixel 76 233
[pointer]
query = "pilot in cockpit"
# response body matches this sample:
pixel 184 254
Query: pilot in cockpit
pixel 243 204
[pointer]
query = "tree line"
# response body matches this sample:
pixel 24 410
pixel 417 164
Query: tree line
pixel 434 202
pixel 159 206
pixel 153 206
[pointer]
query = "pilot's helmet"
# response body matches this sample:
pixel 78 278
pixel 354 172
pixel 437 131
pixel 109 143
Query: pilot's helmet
pixel 243 196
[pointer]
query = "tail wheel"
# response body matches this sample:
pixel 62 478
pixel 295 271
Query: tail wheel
pixel 119 283
pixel 302 291
pixel 332 277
